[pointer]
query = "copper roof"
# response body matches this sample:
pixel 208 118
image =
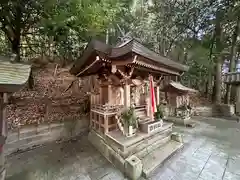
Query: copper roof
pixel 95 48
pixel 12 75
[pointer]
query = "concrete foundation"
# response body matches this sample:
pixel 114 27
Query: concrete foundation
pixel 131 155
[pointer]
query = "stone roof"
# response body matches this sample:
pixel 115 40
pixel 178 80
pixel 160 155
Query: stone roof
pixel 12 75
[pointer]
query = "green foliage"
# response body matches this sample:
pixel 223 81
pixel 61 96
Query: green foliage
pixel 72 23
pixel 184 31
pixel 65 24
pixel 129 117
pixel 159 113
pixel 17 17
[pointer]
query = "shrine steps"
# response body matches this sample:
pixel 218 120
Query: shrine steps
pixel 140 143
pixel 157 157
pixel 141 113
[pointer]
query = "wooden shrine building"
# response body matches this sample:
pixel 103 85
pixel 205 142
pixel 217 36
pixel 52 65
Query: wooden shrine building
pixel 13 76
pixel 123 75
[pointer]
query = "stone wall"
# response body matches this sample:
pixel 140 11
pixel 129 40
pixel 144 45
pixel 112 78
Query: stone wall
pixel 30 136
pixel 220 110
pixel 197 111
pixel 226 110
pixel 203 111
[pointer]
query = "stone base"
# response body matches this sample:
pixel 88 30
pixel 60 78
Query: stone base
pixel 156 158
pixel 151 126
pixel 226 110
pixel 132 155
pixel 176 120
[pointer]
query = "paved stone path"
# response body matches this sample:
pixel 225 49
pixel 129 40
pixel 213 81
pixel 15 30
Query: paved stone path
pixel 211 152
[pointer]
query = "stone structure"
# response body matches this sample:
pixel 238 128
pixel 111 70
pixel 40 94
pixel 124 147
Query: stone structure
pixel 123 74
pixel 12 77
pixel 233 78
pixel 29 137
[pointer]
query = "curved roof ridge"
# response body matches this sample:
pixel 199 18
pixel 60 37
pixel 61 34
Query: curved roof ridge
pixel 122 50
pixel 144 51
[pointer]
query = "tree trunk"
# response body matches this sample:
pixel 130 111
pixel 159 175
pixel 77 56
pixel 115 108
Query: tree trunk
pixel 210 70
pixel 218 81
pixel 206 88
pixel 16 48
pixel 30 80
pixel 209 85
pixel 232 61
pixel 214 89
pixel 218 58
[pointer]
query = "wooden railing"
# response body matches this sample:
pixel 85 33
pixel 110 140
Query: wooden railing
pixel 95 99
pixel 107 108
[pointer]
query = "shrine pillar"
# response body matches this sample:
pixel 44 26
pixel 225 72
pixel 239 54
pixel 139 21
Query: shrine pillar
pixel 3 136
pixel 237 99
pixel 126 95
pixel 238 94
pixel 110 93
pixel 158 94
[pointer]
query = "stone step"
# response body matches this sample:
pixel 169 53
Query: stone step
pixel 142 148
pixel 157 157
pixel 129 146
pixel 140 109
pixel 144 119
pixel 152 144
pixel 140 106
pixel 141 112
pixel 141 115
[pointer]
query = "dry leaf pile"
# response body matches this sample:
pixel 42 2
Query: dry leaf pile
pixel 48 101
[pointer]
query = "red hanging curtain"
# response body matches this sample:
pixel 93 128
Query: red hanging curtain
pixel 153 108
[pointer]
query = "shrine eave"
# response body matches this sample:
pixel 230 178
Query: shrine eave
pixel 89 64
pixel 176 87
pixel 13 76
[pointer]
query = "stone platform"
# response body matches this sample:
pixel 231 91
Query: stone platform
pixel 139 155
pixel 179 121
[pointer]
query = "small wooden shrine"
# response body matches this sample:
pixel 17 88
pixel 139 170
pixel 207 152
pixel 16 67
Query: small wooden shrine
pixel 13 76
pixel 125 74
pixel 178 98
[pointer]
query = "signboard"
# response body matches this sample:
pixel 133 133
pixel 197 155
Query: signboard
pixel 151 127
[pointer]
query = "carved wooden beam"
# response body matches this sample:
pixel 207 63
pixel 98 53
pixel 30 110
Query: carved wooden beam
pixel 126 75
pixel 85 69
pixel 159 80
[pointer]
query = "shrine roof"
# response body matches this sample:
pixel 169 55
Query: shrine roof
pixel 12 75
pixel 178 87
pixel 97 48
pixel 138 48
